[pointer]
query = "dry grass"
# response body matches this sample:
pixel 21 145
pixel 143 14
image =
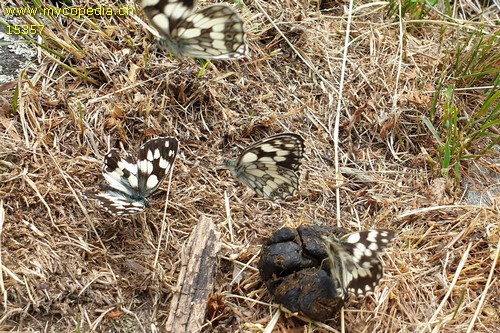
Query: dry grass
pixel 68 266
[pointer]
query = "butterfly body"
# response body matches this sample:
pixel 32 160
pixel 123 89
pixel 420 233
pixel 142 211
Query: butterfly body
pixel 354 260
pixel 131 181
pixel 214 32
pixel 270 167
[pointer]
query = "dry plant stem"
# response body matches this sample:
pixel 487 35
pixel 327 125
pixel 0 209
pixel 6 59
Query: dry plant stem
pixel 84 210
pixel 164 220
pixel 2 286
pixel 22 114
pixel 395 98
pixel 430 209
pixel 338 175
pixel 117 92
pixel 42 200
pixel 245 266
pixel 196 278
pixel 306 61
pixel 228 215
pixel 94 325
pixel 485 292
pixel 272 323
pixel 448 293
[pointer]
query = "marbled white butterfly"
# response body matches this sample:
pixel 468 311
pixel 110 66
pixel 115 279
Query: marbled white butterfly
pixel 270 167
pixel 131 181
pixel 214 32
pixel 354 260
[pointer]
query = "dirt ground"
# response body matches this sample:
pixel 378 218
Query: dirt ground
pixel 68 266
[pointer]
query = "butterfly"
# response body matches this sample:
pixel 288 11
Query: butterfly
pixel 131 181
pixel 214 32
pixel 354 260
pixel 270 167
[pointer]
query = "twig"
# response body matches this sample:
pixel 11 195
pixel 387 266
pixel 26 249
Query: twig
pixel 196 278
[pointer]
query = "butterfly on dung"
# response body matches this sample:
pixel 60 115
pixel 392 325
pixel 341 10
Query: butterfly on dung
pixel 131 180
pixel 214 32
pixel 354 260
pixel 270 167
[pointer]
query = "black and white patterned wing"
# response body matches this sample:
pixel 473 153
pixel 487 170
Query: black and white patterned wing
pixel 117 203
pixel 355 262
pixel 119 197
pixel 154 162
pixel 214 32
pixel 120 173
pixel 131 181
pixel 271 166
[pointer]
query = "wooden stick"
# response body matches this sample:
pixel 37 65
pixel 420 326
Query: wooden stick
pixel 196 279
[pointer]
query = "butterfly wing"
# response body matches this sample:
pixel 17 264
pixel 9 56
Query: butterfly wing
pixel 214 32
pixel 120 173
pixel 355 262
pixel 117 204
pixel 154 161
pixel 166 15
pixel 130 182
pixel 120 195
pixel 269 181
pixel 270 167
